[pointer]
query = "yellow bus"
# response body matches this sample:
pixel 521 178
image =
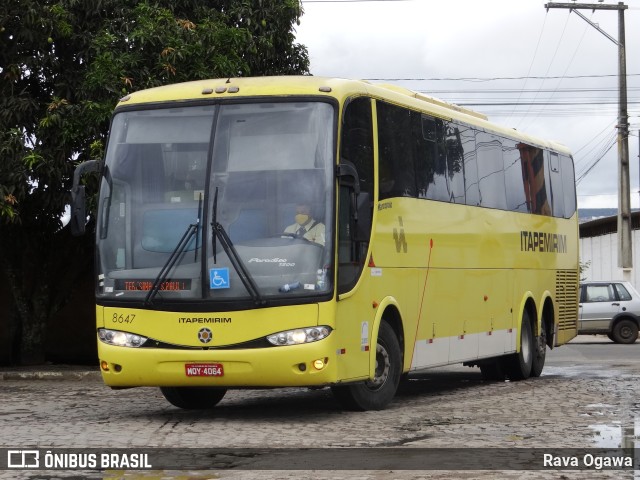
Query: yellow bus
pixel 305 231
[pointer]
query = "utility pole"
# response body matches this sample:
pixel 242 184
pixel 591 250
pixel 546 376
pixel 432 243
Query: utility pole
pixel 625 260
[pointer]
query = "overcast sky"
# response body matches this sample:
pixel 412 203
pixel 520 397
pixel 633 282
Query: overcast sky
pixel 487 55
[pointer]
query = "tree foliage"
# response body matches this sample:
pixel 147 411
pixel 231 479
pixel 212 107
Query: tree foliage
pixel 63 66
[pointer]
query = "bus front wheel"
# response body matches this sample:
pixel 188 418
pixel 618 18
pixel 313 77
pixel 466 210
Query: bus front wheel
pixel 377 393
pixel 193 398
pixel 518 365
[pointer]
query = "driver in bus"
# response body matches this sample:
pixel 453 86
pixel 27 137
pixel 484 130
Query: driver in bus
pixel 306 226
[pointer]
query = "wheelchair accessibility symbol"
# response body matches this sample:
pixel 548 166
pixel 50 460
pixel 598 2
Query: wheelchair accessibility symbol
pixel 218 278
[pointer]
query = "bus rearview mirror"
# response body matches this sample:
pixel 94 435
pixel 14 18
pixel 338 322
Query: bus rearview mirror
pixel 78 211
pixel 78 219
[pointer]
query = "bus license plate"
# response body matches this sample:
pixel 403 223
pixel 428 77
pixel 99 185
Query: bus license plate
pixel 204 370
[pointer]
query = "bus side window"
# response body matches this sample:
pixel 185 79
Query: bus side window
pixel 568 186
pixel 556 187
pixel 469 165
pixel 515 188
pixel 455 164
pixel 442 161
pixel 431 160
pixel 397 151
pixel 490 171
pixel 533 177
pixel 357 149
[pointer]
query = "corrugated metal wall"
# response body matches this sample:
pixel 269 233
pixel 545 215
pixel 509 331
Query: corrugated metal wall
pixel 602 253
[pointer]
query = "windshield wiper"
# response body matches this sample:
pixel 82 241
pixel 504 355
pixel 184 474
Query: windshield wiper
pixel 190 232
pixel 220 234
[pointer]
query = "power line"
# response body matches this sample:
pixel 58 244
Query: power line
pixel 553 57
pixel 535 54
pixel 605 149
pixel 604 130
pixel 528 90
pixel 490 79
pixel 584 163
pixel 352 1
pixel 529 119
pixel 541 103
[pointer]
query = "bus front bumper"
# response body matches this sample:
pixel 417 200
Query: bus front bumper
pixel 310 364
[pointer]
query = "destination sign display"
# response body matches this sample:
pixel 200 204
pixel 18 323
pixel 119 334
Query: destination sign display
pixel 146 285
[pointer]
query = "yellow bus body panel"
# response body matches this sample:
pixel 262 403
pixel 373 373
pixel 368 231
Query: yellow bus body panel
pixel 275 367
pixel 459 271
pixel 259 367
pixel 228 328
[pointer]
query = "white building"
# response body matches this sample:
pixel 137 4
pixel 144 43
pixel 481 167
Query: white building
pixel 599 249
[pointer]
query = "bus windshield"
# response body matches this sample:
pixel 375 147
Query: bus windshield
pixel 224 202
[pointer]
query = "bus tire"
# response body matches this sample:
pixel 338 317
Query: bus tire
pixel 518 365
pixel 375 394
pixel 193 398
pixel 539 351
pixel 625 331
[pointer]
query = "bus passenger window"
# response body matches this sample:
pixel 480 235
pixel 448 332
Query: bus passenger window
pixel 431 160
pixel 555 177
pixel 568 186
pixel 427 147
pixel 516 198
pixel 455 161
pixel 397 150
pixel 470 165
pixel 533 176
pixel 491 171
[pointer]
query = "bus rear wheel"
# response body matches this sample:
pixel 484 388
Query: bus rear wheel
pixel 377 393
pixel 193 398
pixel 518 365
pixel 539 351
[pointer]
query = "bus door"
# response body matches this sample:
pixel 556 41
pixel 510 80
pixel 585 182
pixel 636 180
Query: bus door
pixel 355 209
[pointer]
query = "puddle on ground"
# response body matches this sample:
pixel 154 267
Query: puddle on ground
pixel 581 371
pixel 617 434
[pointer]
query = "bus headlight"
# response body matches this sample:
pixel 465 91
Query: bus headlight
pixel 120 339
pixel 299 336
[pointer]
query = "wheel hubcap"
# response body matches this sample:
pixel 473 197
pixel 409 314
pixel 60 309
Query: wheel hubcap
pixel 542 343
pixel 383 365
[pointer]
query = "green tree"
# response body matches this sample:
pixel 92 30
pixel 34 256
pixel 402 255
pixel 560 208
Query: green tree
pixel 63 66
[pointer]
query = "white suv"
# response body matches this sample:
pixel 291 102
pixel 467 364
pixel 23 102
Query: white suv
pixel 612 308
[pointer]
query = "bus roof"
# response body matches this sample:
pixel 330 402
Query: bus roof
pixel 338 88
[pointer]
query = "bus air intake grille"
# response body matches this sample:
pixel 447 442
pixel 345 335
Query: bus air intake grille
pixel 567 299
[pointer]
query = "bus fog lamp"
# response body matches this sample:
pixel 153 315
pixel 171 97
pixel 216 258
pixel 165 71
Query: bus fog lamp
pixel 120 339
pixel 299 336
pixel 319 364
